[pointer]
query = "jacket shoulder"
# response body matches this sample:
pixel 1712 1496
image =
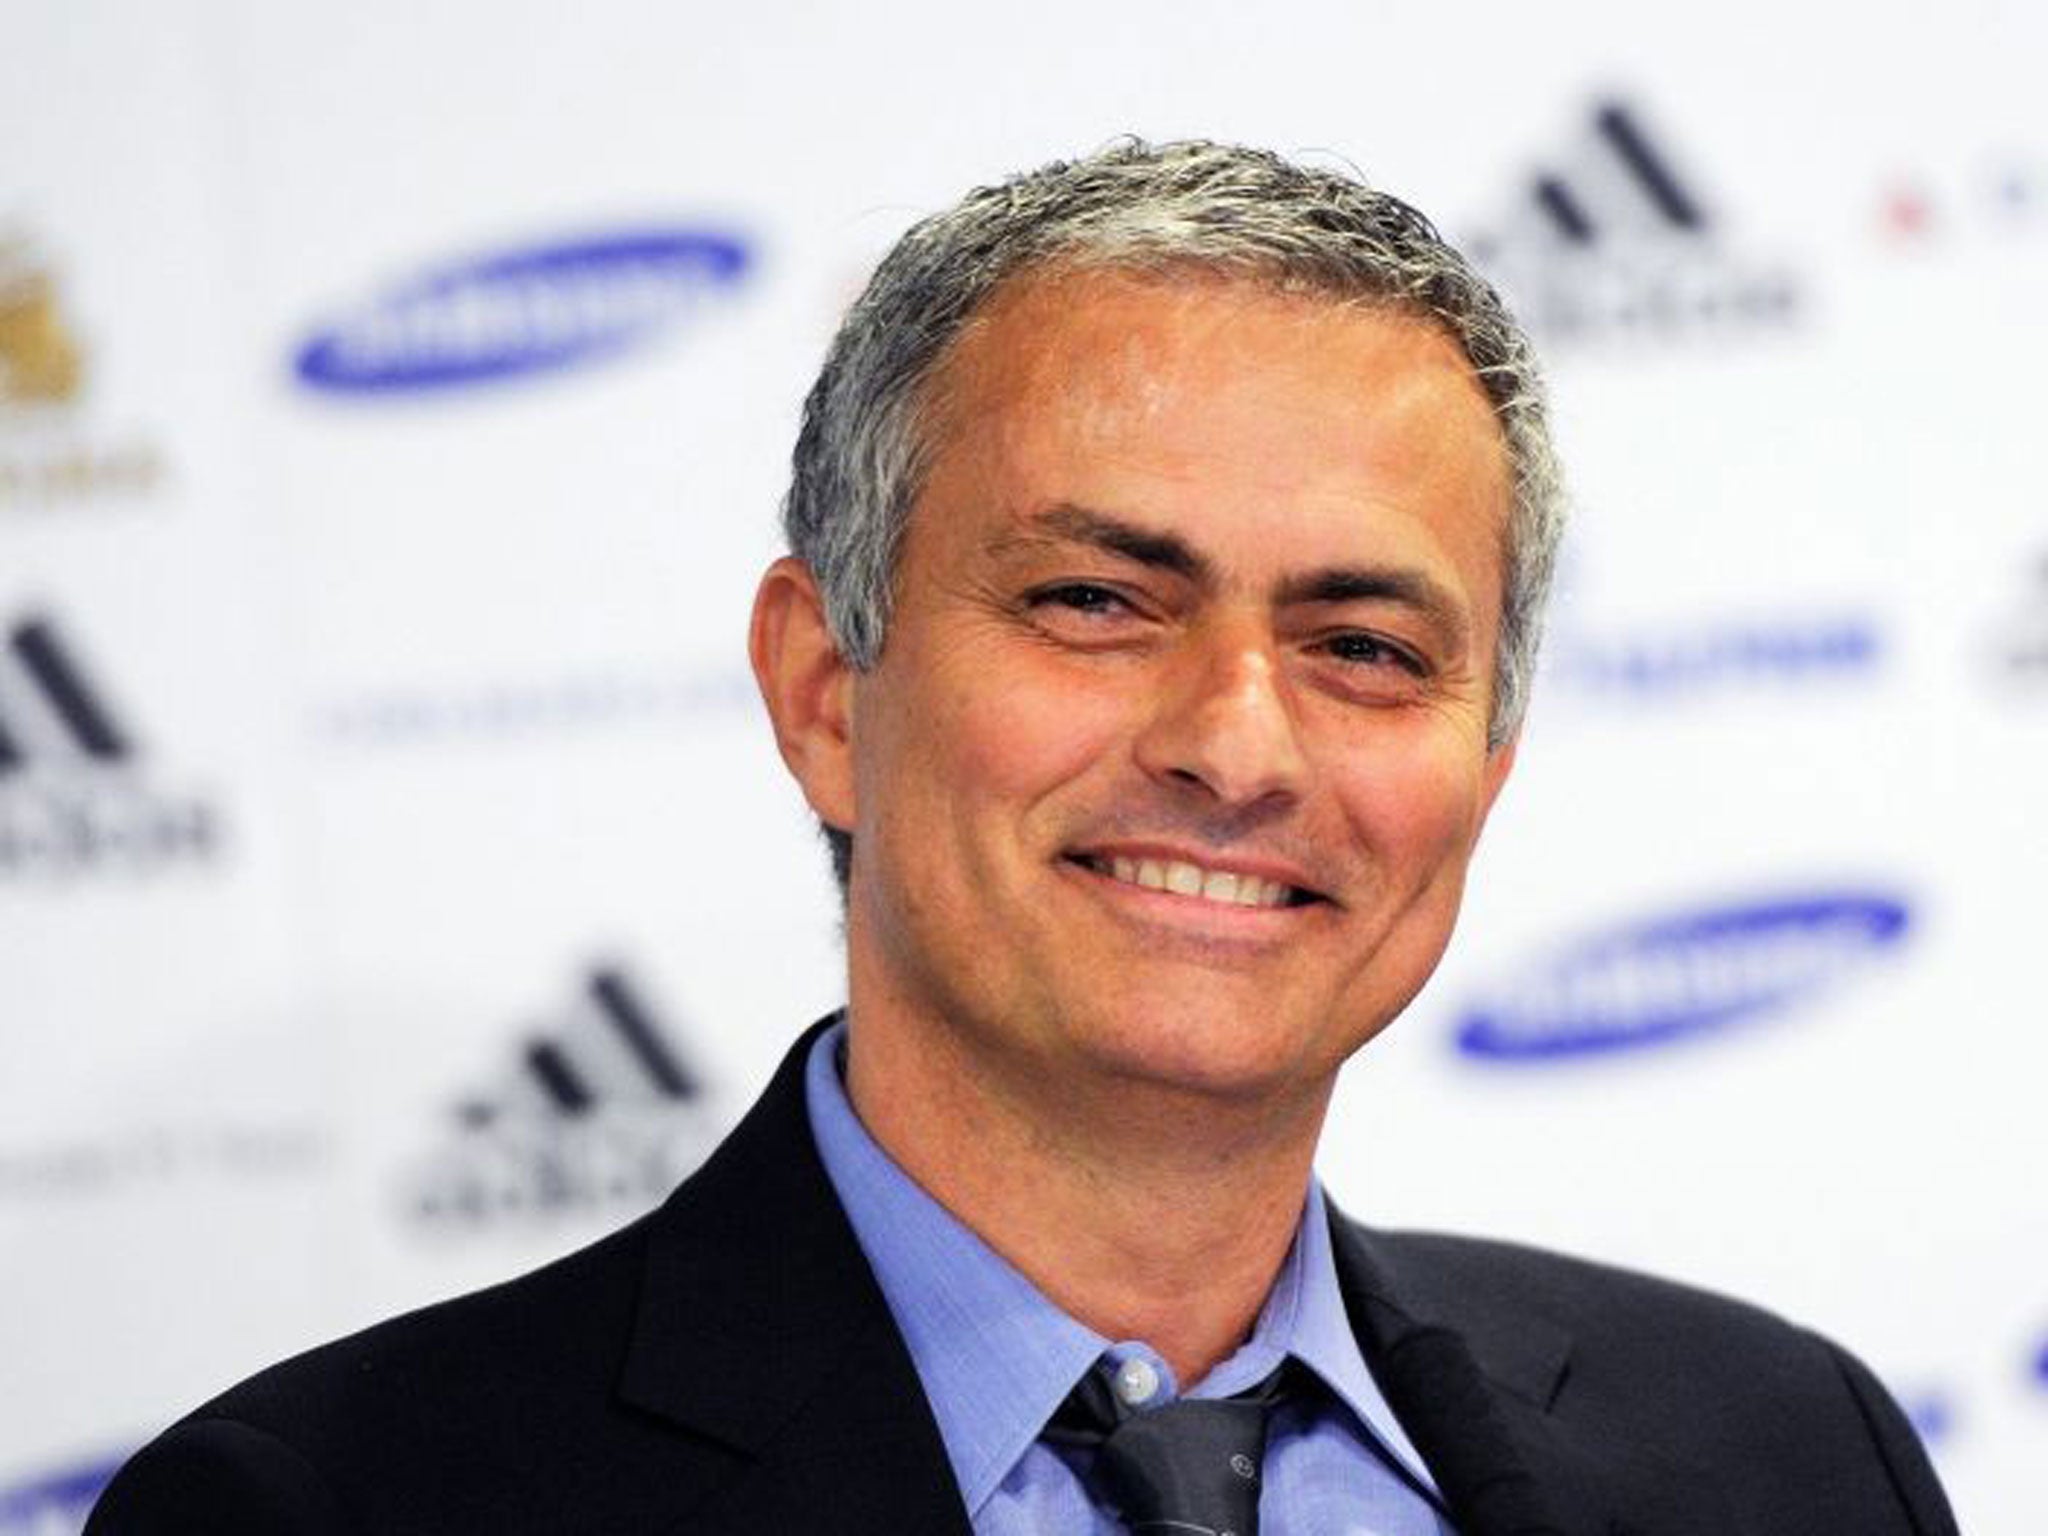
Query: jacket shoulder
pixel 1491 1274
pixel 1628 1331
pixel 427 1421
pixel 1782 1411
pixel 559 1327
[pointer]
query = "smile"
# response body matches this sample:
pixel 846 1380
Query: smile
pixel 1225 887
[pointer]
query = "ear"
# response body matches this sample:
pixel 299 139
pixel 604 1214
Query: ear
pixel 1494 776
pixel 807 686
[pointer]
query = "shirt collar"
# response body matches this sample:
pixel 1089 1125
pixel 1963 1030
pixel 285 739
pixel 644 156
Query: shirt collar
pixel 996 1357
pixel 1305 1317
pixel 1323 1340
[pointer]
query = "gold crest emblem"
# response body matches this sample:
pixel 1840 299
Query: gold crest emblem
pixel 40 361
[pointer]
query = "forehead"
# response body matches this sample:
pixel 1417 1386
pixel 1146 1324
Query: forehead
pixel 1221 407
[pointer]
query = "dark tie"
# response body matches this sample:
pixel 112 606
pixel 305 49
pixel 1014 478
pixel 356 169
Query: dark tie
pixel 1183 1469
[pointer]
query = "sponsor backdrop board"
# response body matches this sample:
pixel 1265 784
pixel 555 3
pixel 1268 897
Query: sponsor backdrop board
pixel 397 883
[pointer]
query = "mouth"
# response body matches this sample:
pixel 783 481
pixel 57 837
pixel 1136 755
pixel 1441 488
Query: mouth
pixel 1200 882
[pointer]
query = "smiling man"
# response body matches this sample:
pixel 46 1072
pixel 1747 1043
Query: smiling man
pixel 1163 784
pixel 1170 532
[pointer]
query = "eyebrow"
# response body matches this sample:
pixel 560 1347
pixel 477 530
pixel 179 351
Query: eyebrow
pixel 1385 584
pixel 1169 552
pixel 1162 551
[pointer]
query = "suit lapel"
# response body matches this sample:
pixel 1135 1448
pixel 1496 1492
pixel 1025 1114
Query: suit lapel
pixel 761 1330
pixel 1452 1409
pixel 1486 1396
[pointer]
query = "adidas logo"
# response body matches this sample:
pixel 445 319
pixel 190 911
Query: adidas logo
pixel 1613 241
pixel 1626 186
pixel 71 798
pixel 74 717
pixel 613 1052
pixel 599 1110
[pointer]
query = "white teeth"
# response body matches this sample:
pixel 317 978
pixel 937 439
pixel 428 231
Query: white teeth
pixel 1185 879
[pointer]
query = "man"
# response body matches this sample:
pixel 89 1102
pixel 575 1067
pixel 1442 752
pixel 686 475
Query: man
pixel 1170 535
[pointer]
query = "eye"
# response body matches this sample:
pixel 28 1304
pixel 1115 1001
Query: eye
pixel 1367 650
pixel 1091 615
pixel 1085 597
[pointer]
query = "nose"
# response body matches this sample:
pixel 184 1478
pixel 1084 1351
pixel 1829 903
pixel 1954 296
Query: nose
pixel 1221 723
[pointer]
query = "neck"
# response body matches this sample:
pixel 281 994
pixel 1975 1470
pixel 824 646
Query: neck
pixel 1143 1211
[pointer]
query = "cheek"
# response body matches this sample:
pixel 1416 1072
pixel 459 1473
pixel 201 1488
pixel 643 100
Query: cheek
pixel 1012 740
pixel 1419 799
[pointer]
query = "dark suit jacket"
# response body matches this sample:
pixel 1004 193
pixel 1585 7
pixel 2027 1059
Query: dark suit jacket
pixel 727 1365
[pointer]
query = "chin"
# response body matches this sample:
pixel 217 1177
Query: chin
pixel 1205 1053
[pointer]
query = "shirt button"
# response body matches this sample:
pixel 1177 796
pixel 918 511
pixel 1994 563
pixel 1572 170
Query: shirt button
pixel 1136 1381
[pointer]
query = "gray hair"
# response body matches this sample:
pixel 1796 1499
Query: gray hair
pixel 1220 209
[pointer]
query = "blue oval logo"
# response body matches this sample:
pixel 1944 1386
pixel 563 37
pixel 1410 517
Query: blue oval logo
pixel 1682 975
pixel 56 1503
pixel 523 312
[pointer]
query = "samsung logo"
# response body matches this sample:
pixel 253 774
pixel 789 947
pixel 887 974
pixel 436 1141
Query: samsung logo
pixel 1682 975
pixel 523 312
pixel 54 1504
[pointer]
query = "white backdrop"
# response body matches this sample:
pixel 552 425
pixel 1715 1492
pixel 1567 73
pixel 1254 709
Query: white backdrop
pixel 397 884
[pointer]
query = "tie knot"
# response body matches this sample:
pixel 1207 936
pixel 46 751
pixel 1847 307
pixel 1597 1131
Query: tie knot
pixel 1188 1466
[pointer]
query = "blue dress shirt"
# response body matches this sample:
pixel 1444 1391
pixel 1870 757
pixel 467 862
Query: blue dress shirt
pixel 996 1358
